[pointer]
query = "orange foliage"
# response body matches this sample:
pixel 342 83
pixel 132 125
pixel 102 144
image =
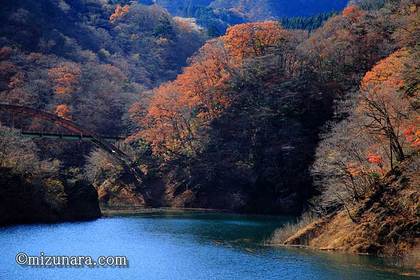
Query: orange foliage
pixel 252 39
pixel 167 122
pixel 386 74
pixel 203 82
pixel 65 78
pixel 374 158
pixel 354 170
pixel 180 108
pixel 390 115
pixel 63 111
pixel 119 12
pixel 352 11
pixel 384 86
pixel 412 135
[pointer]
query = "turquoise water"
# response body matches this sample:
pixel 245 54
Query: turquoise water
pixel 178 246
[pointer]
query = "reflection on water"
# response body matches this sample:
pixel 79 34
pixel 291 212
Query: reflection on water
pixel 179 245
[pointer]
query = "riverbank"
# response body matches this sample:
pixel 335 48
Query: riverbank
pixel 385 223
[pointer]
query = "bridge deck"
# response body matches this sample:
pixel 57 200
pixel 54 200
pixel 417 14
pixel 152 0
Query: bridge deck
pixel 74 137
pixel 79 133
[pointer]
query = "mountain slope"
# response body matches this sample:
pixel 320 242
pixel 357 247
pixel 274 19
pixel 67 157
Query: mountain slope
pixel 217 15
pixel 265 9
pixel 256 9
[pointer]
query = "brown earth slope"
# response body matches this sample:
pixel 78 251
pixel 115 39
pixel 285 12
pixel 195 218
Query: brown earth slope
pixel 387 222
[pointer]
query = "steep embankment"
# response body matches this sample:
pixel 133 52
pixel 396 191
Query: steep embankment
pixel 386 222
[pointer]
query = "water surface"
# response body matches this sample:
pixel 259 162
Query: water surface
pixel 179 246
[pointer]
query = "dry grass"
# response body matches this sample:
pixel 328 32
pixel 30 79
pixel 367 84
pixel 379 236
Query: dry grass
pixel 289 229
pixel 335 234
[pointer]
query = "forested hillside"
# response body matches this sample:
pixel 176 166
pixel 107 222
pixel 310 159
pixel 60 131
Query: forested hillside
pixel 263 9
pixel 255 9
pixel 366 164
pixel 216 15
pixel 86 61
pixel 84 57
pixel 239 127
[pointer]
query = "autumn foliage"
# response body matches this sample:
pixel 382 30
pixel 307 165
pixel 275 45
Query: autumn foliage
pixel 352 11
pixel 253 39
pixel 63 111
pixel 252 99
pixel 381 132
pixel 119 12
pixel 181 110
pixel 412 134
pixel 389 111
pixel 65 78
pixel 373 158
pixel 244 114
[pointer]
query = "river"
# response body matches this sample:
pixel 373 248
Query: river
pixel 179 245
